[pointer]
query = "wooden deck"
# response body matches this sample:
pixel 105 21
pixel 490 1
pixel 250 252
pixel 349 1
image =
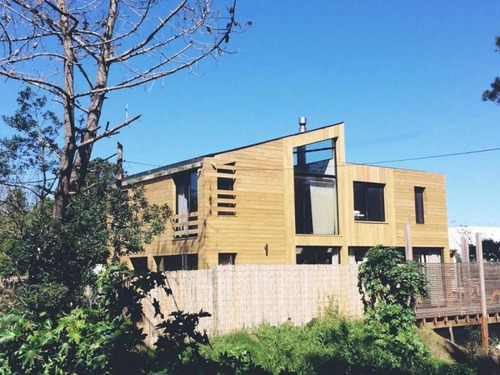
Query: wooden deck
pixel 455 296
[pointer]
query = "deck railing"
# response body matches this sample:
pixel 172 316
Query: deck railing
pixel 455 291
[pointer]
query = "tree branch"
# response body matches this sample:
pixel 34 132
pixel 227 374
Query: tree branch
pixel 108 133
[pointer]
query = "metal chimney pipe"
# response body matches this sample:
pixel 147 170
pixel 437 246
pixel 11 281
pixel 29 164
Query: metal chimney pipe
pixel 302 124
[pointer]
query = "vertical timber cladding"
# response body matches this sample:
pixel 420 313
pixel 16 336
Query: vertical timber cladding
pixel 253 223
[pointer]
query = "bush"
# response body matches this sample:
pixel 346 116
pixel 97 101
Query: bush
pixel 329 345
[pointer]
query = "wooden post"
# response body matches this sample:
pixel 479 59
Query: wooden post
pixel 465 249
pixel 119 165
pixel 466 274
pixel 484 320
pixel 408 247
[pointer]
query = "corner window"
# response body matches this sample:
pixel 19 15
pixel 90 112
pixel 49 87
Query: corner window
pixel 315 188
pixel 419 204
pixel 369 201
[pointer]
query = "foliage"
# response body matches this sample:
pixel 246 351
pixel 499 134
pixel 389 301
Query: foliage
pixel 329 345
pixel 59 257
pixel 30 153
pixel 101 339
pixel 494 93
pixel 13 212
pixel 491 251
pixel 390 286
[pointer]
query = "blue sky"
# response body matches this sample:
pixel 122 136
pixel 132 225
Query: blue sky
pixel 406 77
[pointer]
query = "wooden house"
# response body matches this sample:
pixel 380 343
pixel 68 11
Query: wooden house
pixel 291 200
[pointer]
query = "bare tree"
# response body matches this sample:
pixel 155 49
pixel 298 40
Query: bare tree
pixel 82 50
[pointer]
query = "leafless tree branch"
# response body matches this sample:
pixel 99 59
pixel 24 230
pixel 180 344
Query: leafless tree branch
pixel 71 48
pixel 110 132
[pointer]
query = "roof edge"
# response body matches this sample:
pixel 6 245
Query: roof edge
pixel 193 162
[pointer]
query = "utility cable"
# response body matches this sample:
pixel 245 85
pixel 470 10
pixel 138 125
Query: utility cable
pixel 370 163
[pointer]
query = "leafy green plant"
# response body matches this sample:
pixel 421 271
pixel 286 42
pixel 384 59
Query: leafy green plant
pixel 102 339
pixel 327 345
pixel 59 257
pixel 390 286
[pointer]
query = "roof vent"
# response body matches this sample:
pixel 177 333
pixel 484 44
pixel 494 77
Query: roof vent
pixel 302 124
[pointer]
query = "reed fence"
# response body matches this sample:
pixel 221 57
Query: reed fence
pixel 246 296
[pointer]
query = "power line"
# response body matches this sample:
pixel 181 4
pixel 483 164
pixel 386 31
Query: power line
pixel 136 162
pixel 436 156
pixel 369 163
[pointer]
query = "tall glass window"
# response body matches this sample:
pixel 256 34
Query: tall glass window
pixel 186 186
pixel 316 209
pixel 419 204
pixel 186 189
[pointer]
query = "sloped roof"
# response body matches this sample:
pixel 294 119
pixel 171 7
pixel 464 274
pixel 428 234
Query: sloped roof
pixel 178 165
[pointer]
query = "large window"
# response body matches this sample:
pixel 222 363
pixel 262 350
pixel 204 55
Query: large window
pixel 315 188
pixel 369 201
pixel 419 204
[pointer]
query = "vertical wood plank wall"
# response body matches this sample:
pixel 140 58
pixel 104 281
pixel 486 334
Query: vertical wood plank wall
pixel 264 197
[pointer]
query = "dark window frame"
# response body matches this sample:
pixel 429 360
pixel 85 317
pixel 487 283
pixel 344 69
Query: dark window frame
pixel 317 254
pixel 419 193
pixel 177 262
pixel 226 259
pixel 309 170
pixel 187 180
pixel 369 201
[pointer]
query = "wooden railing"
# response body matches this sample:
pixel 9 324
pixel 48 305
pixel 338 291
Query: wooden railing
pixel 185 225
pixel 455 292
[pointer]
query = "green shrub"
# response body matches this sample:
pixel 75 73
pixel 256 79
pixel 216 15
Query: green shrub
pixel 329 345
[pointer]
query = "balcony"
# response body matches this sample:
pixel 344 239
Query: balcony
pixel 185 226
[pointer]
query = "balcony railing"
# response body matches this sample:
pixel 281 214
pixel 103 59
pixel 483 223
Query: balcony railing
pixel 185 225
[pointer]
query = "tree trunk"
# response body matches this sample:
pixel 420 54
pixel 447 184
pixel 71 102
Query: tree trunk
pixel 66 166
pixel 96 101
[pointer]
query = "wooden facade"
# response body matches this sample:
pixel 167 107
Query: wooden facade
pixel 243 207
